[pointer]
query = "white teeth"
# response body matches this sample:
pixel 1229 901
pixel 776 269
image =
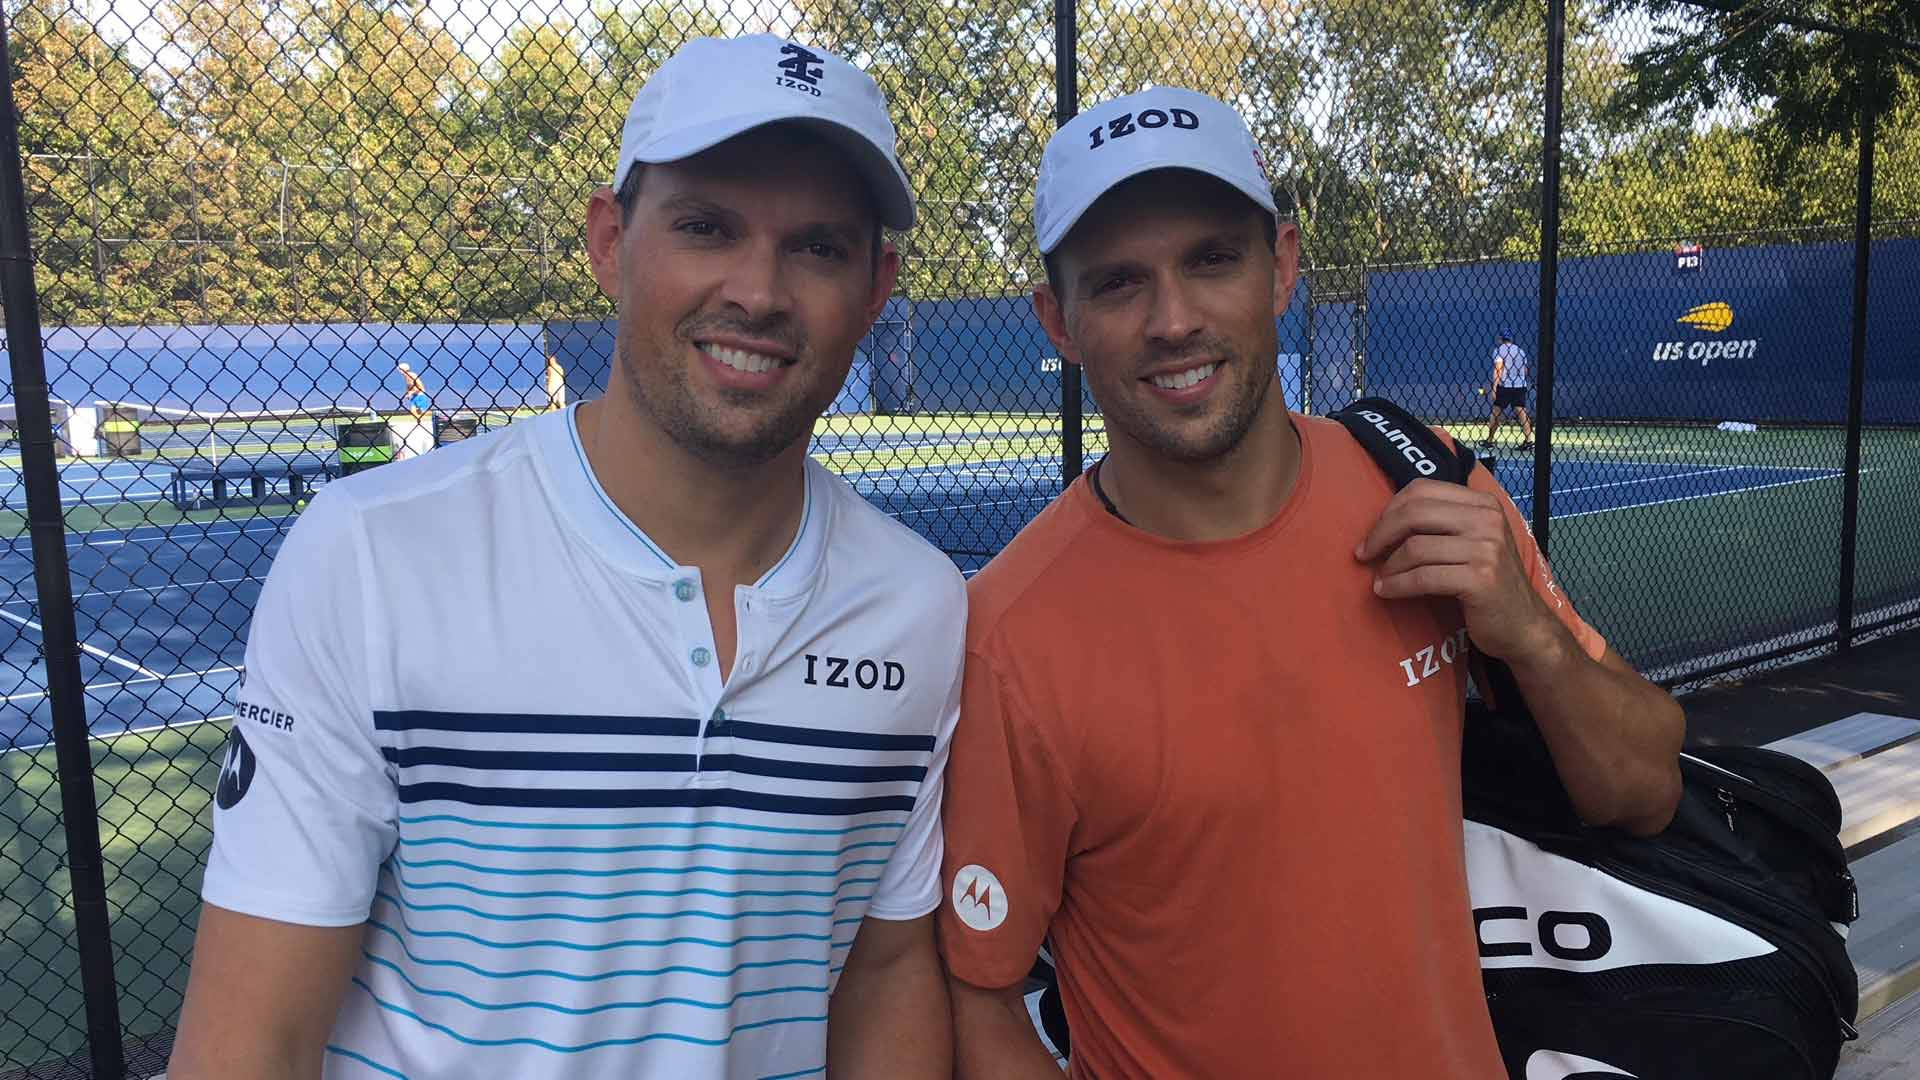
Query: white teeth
pixel 1183 379
pixel 740 359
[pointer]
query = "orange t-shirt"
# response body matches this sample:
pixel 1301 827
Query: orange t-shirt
pixel 1224 778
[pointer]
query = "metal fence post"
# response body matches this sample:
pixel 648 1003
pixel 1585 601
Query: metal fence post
pixel 1857 373
pixel 66 694
pixel 1549 270
pixel 1066 104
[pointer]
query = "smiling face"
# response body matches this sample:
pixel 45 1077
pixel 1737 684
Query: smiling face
pixel 743 290
pixel 1167 293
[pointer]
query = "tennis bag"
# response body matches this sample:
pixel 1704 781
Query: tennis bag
pixel 1713 951
pixel 1716 949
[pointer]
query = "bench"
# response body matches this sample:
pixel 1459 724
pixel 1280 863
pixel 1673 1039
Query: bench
pixel 249 483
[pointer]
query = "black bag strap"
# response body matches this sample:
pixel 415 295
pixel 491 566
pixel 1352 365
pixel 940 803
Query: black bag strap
pixel 1506 766
pixel 1405 448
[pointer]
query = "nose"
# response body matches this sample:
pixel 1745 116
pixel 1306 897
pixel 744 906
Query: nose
pixel 756 282
pixel 1174 318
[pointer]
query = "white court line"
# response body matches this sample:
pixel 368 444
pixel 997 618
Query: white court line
pixel 264 525
pixel 101 653
pixel 135 731
pixel 145 589
pixel 132 682
pixel 972 506
pixel 1642 480
pixel 1707 495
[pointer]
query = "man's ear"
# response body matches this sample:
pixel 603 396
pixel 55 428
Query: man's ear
pixel 885 274
pixel 1053 319
pixel 1286 265
pixel 605 228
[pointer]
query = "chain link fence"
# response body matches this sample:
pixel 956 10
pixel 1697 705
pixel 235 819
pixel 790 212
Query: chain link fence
pixel 272 244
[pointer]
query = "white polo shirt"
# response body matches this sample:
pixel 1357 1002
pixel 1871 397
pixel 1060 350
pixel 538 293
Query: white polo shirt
pixel 1513 364
pixel 482 715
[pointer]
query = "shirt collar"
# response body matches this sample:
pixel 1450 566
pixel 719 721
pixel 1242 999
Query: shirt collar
pixel 581 499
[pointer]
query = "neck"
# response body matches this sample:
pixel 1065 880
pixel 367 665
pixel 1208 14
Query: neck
pixel 732 521
pixel 1219 499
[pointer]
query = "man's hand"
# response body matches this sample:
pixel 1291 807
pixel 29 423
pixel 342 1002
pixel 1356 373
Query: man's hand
pixel 1615 737
pixel 1440 539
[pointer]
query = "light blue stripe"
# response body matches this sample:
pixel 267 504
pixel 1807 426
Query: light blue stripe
pixel 558 1049
pixel 852 921
pixel 623 973
pixel 633 943
pixel 564 894
pixel 691 913
pixel 491 1007
pixel 724 870
pixel 559 849
pixel 806 514
pixel 374 1065
pixel 797 1075
pixel 456 819
pixel 573 432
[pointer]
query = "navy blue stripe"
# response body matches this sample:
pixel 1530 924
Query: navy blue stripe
pixel 560 761
pixel 535 723
pixel 625 799
pixel 799 736
pixel 537 760
pixel 813 770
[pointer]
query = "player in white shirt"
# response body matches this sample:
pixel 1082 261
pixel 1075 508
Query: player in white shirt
pixel 1510 384
pixel 632 768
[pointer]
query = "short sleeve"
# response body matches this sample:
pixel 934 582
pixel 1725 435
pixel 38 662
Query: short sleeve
pixel 305 807
pixel 1010 818
pixel 1538 572
pixel 910 885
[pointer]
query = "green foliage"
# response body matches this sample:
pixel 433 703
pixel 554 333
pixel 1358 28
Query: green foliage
pixel 318 160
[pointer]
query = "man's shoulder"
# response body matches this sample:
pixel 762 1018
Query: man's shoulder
pixel 1037 575
pixel 429 480
pixel 866 537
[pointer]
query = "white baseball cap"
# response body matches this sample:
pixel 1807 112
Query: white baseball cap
pixel 712 89
pixel 1162 128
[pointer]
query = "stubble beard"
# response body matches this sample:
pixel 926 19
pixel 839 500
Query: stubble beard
pixel 668 398
pixel 1229 425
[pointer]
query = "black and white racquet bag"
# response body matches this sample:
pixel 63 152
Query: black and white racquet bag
pixel 1713 951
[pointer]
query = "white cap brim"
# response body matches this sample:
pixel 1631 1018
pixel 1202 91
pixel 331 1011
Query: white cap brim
pixel 892 194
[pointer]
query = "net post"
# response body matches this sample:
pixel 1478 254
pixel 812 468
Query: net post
pixel 1857 370
pixel 1549 270
pixel 1066 104
pixel 66 693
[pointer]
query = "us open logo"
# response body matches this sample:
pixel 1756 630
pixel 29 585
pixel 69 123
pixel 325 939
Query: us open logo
pixel 978 898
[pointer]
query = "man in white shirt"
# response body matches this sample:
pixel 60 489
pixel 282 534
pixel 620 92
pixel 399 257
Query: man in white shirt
pixel 633 768
pixel 1510 384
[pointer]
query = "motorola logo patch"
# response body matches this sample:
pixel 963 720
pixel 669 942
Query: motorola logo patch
pixel 236 771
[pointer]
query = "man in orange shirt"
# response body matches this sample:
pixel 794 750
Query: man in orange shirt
pixel 1210 733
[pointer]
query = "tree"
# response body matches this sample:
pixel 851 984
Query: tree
pixel 1707 52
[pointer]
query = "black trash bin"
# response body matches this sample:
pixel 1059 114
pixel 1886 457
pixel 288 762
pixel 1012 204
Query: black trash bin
pixel 363 444
pixel 120 432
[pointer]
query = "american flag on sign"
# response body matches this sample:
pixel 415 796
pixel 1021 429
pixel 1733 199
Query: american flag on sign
pixel 1686 257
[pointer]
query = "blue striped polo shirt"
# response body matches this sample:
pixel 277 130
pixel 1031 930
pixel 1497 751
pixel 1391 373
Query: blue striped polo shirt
pixel 482 715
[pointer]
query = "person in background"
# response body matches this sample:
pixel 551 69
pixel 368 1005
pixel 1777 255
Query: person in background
pixel 1510 385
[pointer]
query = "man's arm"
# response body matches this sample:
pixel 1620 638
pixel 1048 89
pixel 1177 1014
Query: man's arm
pixel 1615 737
pixel 262 997
pixel 993 1037
pixel 888 1017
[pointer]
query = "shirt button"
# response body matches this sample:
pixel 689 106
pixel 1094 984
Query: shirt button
pixel 701 657
pixel 685 590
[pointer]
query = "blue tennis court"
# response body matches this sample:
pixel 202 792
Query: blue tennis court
pixel 163 610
